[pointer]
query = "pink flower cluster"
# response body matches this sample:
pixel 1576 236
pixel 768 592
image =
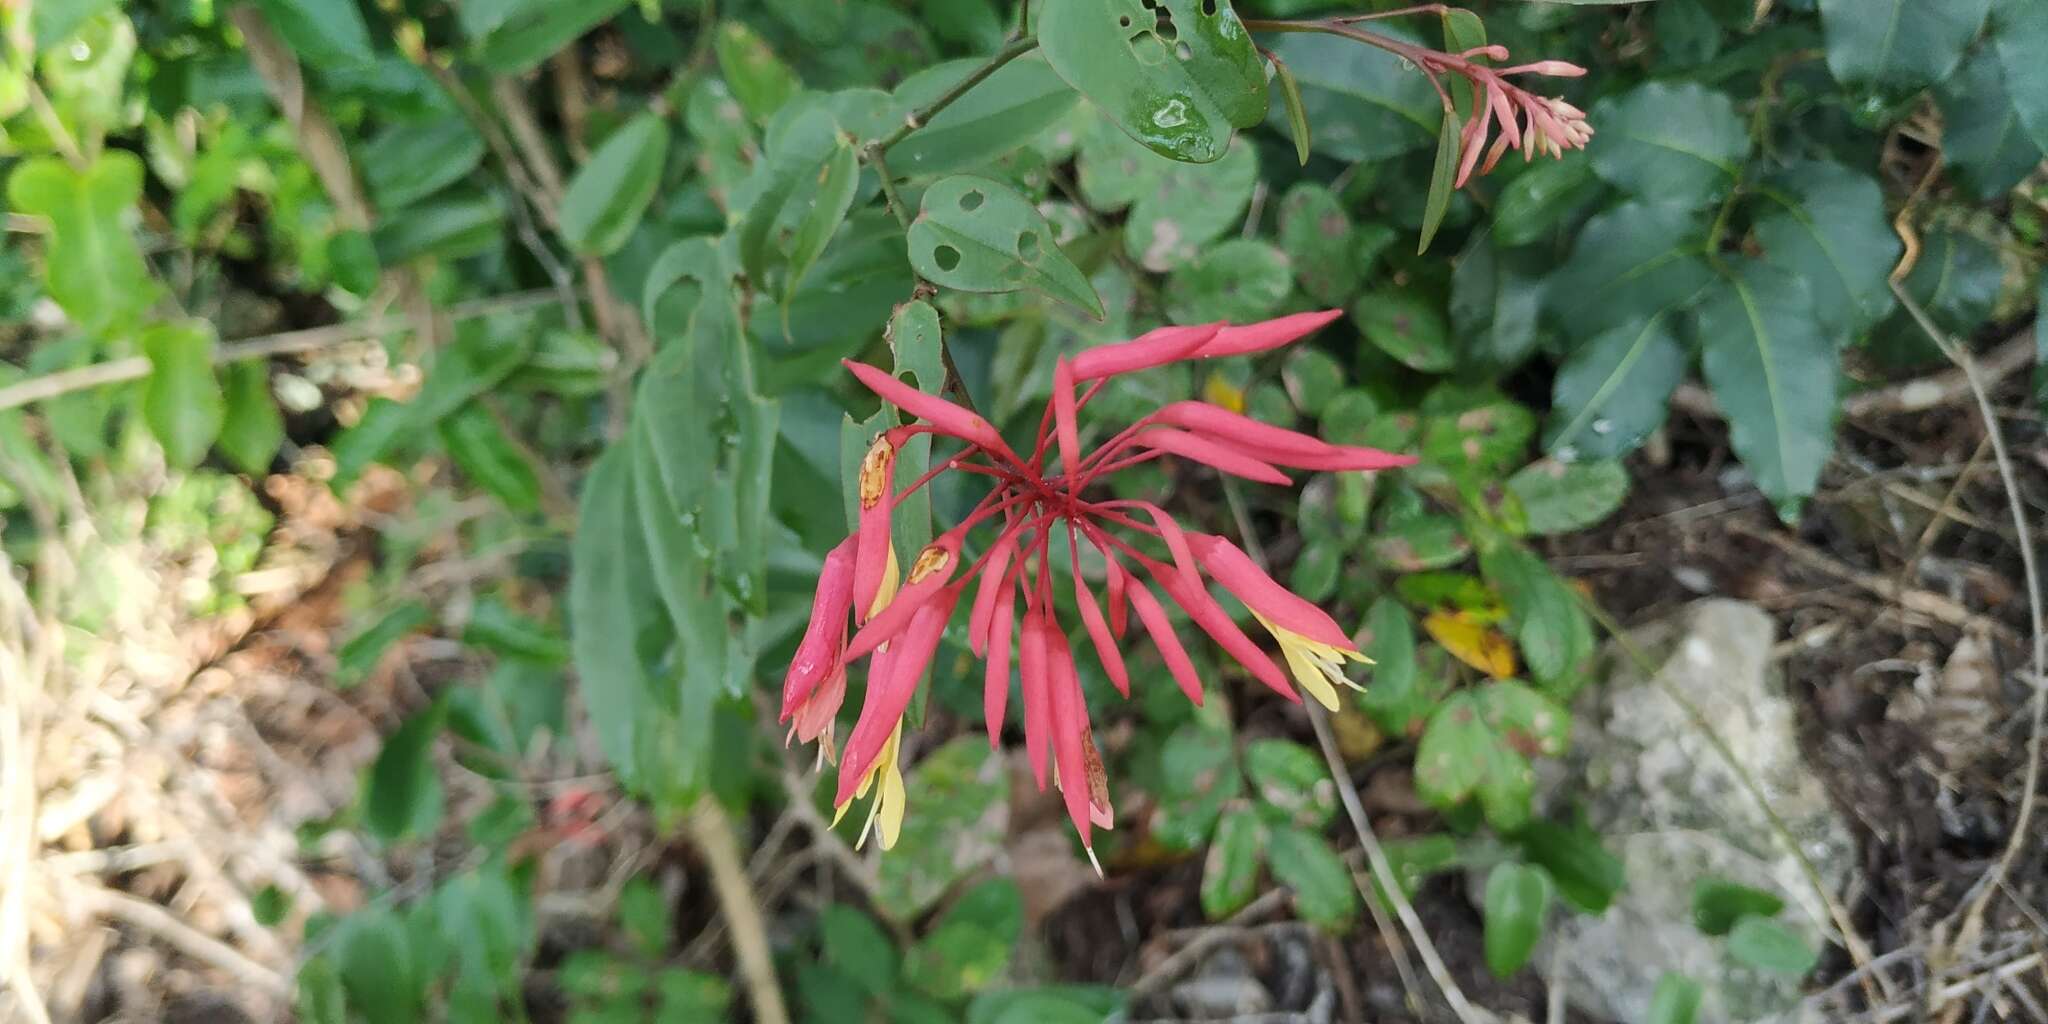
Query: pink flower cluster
pixel 900 616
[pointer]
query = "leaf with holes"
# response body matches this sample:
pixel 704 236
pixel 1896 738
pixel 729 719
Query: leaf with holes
pixel 1774 373
pixel 1176 75
pixel 979 235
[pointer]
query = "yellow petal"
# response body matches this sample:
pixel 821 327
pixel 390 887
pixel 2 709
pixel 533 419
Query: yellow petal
pixel 892 801
pixel 1217 391
pixel 1308 675
pixel 1473 642
pixel 891 575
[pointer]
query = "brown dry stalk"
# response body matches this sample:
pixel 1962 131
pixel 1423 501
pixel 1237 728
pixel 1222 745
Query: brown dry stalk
pixel 713 834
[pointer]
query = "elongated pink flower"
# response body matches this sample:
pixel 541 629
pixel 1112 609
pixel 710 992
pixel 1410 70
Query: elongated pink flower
pixel 902 614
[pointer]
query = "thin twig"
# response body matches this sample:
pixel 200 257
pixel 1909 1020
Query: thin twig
pixel 1923 602
pixel 923 115
pixel 1875 982
pixel 714 836
pixel 263 346
pixel 1980 894
pixel 157 921
pixel 1375 855
pixel 1209 938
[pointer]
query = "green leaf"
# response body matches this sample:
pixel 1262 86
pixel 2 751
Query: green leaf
pixel 375 955
pixel 1718 905
pixel 959 792
pixel 615 613
pixel 1630 264
pixel 1773 371
pixel 1396 696
pixel 1769 945
pixel 1314 379
pixel 644 917
pixel 1176 209
pixel 1528 722
pixel 1540 198
pixel 826 205
pixel 326 33
pixel 1612 391
pixel 1324 894
pixel 1230 874
pixel 1240 280
pixel 51 24
pixel 448 229
pixel 181 400
pixel 1517 901
pixel 1983 142
pixel 1198 776
pixel 2020 41
pixel 1427 542
pixel 493 624
pixel 980 235
pixel 77 420
pixel 1587 876
pixel 1474 433
pixel 352 257
pixel 1680 145
pixel 412 160
pixel 970 945
pixel 1184 108
pixel 478 444
pixel 1556 639
pixel 252 428
pixel 1675 1001
pixel 1407 327
pixel 1898 45
pixel 1496 301
pixel 1365 103
pixel 1831 229
pixel 1292 779
pixel 609 195
pixel 759 80
pixel 1297 113
pixel 360 654
pixel 320 998
pixel 1560 497
pixel 535 29
pixel 1316 232
pixel 1006 110
pixel 2041 348
pixel 91 264
pixel 852 942
pixel 1441 176
pixel 402 793
pixel 1450 760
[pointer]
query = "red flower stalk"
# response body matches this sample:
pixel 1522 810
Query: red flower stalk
pixel 1031 501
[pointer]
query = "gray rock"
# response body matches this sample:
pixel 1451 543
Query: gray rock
pixel 1673 809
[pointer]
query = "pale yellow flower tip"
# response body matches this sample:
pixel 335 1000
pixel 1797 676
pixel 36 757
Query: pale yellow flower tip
pixel 892 574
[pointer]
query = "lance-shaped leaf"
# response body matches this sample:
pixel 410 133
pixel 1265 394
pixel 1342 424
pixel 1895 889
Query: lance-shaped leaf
pixel 979 235
pixel 1011 106
pixel 826 204
pixel 252 429
pixel 1773 371
pixel 2020 39
pixel 1177 75
pixel 1983 141
pixel 1613 390
pixel 609 195
pixel 1517 900
pixel 1830 228
pixel 1366 104
pixel 1630 264
pixel 1673 144
pixel 181 399
pixel 1898 45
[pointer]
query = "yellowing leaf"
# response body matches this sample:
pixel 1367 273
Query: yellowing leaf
pixel 1472 642
pixel 1218 391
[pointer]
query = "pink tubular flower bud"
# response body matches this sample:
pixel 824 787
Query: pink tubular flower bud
pixel 823 647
